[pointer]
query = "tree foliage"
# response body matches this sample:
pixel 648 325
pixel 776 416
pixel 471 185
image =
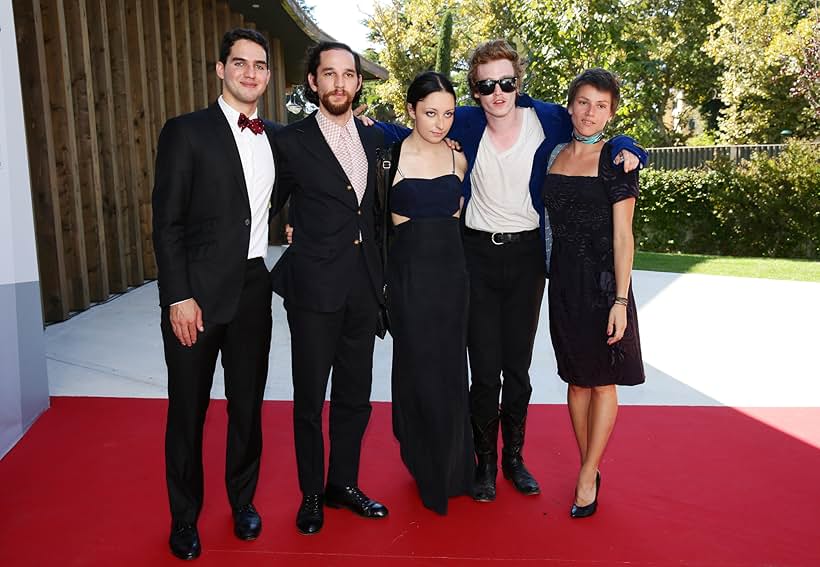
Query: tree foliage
pixel 406 31
pixel 654 46
pixel 444 59
pixel 751 67
pixel 761 45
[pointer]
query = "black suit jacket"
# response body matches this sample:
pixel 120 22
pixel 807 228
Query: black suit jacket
pixel 314 272
pixel 201 213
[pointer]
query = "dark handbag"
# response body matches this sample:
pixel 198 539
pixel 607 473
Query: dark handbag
pixel 385 164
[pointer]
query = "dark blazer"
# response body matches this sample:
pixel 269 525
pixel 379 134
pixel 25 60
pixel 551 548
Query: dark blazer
pixel 313 273
pixel 202 216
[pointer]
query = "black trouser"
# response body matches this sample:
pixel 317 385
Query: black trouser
pixel 342 341
pixel 245 345
pixel 506 287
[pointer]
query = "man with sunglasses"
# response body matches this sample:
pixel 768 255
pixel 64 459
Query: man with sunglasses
pixel 507 140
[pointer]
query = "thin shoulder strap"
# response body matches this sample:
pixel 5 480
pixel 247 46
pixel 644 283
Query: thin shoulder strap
pixel 452 151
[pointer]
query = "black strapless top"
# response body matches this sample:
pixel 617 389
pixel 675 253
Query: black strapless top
pixel 419 198
pixel 426 198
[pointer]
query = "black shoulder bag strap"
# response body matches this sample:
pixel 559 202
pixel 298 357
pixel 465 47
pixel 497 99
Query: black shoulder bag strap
pixel 388 159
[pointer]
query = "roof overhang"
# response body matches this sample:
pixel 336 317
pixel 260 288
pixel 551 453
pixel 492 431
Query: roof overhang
pixel 285 20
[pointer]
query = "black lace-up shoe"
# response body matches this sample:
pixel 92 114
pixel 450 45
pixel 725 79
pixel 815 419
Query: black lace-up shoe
pixel 352 498
pixel 184 541
pixel 246 522
pixel 311 514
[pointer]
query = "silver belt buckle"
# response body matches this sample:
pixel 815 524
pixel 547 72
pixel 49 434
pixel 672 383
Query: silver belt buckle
pixel 492 239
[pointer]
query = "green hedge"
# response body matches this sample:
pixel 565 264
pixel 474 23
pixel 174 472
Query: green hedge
pixel 768 207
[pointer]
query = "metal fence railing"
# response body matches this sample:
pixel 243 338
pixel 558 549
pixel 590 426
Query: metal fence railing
pixel 683 157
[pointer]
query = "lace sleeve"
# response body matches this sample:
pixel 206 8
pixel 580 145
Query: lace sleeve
pixel 619 185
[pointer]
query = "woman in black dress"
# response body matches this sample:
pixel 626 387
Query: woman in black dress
pixel 593 319
pixel 427 291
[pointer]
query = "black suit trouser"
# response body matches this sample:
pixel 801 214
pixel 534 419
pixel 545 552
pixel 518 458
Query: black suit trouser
pixel 506 288
pixel 341 341
pixel 245 345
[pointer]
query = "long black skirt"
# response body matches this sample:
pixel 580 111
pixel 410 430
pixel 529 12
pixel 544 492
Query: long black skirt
pixel 428 296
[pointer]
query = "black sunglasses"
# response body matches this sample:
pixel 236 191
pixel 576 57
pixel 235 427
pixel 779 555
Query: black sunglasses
pixel 487 86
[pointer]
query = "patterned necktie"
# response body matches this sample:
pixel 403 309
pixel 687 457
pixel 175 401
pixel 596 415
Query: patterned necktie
pixel 256 125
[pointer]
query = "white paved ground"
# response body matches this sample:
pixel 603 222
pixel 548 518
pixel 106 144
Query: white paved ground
pixel 707 340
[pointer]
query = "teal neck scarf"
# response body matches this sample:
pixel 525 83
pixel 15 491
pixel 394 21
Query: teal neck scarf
pixel 593 139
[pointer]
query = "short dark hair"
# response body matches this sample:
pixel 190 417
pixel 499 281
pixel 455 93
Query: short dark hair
pixel 602 80
pixel 314 57
pixel 427 83
pixel 235 35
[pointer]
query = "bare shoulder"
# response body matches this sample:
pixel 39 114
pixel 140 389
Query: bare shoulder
pixel 461 163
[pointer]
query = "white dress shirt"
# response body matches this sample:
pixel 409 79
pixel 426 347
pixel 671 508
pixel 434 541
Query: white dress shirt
pixel 258 167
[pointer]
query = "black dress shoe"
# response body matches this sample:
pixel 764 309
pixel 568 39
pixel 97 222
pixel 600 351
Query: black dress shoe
pixel 311 514
pixel 484 486
pixel 521 478
pixel 246 522
pixel 588 510
pixel 184 541
pixel 352 498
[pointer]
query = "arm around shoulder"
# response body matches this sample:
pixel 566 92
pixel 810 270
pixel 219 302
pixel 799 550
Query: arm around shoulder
pixel 623 142
pixel 392 132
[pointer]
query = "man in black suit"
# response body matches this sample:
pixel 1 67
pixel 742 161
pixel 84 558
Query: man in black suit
pixel 215 175
pixel 331 280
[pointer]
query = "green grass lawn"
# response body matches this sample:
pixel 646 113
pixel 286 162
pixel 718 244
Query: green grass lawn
pixel 771 268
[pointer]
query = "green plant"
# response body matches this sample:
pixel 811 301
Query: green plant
pixel 764 207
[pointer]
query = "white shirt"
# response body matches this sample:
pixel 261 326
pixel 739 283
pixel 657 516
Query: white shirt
pixel 501 200
pixel 258 167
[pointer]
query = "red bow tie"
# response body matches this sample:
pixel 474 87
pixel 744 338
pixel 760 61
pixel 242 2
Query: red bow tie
pixel 256 125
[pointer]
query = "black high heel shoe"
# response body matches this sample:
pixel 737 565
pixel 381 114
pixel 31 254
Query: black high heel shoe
pixel 588 510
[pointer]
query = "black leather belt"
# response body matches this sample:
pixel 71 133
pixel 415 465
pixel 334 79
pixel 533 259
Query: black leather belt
pixel 499 238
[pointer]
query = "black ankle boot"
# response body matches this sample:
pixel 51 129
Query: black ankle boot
pixel 486 448
pixel 512 460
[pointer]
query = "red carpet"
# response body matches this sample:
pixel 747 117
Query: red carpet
pixel 681 486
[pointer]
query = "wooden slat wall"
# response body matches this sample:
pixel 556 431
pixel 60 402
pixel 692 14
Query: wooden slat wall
pixel 109 160
pixel 44 182
pixel 102 77
pixel 87 148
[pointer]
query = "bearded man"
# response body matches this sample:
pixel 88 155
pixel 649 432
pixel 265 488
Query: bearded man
pixel 331 281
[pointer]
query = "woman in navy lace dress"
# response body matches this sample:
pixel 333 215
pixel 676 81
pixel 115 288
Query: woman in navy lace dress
pixel 427 291
pixel 593 320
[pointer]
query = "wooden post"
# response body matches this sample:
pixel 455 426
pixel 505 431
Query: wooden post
pixel 120 63
pixel 278 80
pixel 141 133
pixel 213 40
pixel 182 24
pixel 110 157
pixel 199 55
pixel 87 148
pixel 42 162
pixel 169 48
pixel 223 11
pixel 65 145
